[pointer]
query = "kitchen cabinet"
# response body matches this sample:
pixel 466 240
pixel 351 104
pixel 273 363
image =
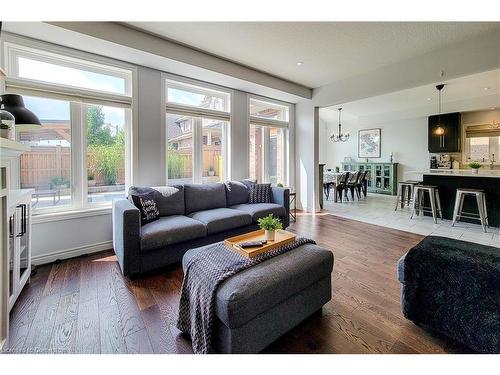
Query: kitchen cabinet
pixel 449 139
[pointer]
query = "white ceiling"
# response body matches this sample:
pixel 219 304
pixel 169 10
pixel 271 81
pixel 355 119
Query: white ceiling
pixel 331 51
pixel 474 92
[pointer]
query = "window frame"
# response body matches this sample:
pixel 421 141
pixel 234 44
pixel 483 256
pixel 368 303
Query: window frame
pixel 13 51
pixel 78 98
pixel 267 124
pixel 493 147
pixel 197 126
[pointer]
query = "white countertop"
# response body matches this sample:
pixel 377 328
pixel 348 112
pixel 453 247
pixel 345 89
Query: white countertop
pixel 483 172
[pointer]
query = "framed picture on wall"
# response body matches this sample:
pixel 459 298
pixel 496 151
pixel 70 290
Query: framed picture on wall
pixel 369 143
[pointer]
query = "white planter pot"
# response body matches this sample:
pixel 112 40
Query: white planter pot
pixel 270 235
pixel 5 133
pixel 475 170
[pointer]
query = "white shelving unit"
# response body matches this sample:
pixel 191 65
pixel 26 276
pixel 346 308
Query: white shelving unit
pixel 15 227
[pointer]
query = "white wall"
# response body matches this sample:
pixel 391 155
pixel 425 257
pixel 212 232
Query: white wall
pixel 406 139
pixel 70 237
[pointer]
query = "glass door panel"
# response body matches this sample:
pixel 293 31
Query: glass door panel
pixel 23 240
pixel 12 242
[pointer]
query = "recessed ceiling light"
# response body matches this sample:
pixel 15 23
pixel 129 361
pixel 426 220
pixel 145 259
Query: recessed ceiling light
pixel 486 88
pixel 429 99
pixel 300 63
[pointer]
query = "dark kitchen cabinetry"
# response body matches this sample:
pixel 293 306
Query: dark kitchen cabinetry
pixel 446 137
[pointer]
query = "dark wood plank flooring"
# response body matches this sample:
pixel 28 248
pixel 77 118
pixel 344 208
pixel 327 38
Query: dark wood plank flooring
pixel 85 305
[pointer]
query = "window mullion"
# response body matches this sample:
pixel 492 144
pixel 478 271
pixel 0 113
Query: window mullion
pixel 83 166
pixel 266 152
pixel 76 155
pixel 197 150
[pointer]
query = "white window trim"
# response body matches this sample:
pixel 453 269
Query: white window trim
pixel 287 138
pixel 15 46
pixel 493 149
pixel 170 80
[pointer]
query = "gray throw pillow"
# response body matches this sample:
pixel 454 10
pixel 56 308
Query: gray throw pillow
pixel 260 193
pixel 236 193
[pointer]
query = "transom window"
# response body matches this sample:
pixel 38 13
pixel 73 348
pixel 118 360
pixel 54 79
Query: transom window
pixel 79 157
pixel 197 96
pixel 49 68
pixel 197 121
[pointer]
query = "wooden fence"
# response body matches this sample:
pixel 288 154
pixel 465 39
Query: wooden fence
pixel 43 163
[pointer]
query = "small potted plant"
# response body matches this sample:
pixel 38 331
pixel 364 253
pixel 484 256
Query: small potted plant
pixel 279 184
pixel 59 182
pixel 211 171
pixel 270 224
pixel 91 178
pixel 475 166
pixel 5 131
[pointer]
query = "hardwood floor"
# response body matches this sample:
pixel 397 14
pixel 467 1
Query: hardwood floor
pixel 85 305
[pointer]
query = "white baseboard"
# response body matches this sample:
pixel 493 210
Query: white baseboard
pixel 71 253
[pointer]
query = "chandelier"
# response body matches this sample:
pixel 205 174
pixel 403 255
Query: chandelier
pixel 339 137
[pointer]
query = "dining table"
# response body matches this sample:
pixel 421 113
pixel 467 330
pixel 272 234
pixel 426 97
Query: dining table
pixel 331 179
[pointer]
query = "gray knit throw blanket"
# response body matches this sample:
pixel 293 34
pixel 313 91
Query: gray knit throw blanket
pixel 205 271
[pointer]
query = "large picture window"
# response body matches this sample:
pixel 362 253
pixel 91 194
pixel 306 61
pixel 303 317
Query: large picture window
pixel 79 157
pixel 197 121
pixel 269 123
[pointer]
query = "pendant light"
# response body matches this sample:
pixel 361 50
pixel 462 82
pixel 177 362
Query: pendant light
pixel 339 137
pixel 14 104
pixel 439 128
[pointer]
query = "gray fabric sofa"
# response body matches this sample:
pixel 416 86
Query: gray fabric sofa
pixel 191 215
pixel 258 305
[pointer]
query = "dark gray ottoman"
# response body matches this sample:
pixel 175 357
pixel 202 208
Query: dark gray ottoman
pixel 453 287
pixel 260 304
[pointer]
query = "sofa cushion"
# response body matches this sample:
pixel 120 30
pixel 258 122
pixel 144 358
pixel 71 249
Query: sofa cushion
pixel 236 193
pixel 260 193
pixel 257 289
pixel 258 210
pixel 222 219
pixel 170 230
pixel 169 199
pixel 199 197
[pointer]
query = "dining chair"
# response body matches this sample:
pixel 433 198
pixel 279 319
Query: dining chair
pixel 352 183
pixel 342 186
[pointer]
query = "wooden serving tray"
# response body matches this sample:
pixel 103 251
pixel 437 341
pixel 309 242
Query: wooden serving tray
pixel 282 237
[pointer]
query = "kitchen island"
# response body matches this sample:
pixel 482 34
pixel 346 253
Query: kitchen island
pixel 448 181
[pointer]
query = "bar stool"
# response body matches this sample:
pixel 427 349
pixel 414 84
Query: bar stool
pixel 482 214
pixel 405 193
pixel 418 201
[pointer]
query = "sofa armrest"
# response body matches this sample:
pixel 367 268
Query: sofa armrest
pixel 127 236
pixel 281 196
